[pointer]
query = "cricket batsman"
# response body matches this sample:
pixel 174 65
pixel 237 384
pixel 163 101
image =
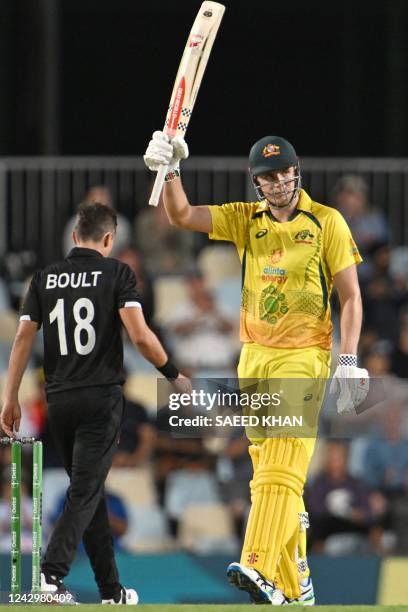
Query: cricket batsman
pixel 293 251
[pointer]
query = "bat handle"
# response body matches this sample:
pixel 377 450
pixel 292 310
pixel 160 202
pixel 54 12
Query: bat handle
pixel 158 185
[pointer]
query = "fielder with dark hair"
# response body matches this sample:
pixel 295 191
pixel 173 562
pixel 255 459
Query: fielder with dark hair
pixel 94 221
pixel 82 303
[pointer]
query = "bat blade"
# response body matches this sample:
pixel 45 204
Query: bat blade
pixel 189 76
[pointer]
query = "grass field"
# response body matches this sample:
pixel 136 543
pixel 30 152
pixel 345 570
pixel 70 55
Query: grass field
pixel 226 608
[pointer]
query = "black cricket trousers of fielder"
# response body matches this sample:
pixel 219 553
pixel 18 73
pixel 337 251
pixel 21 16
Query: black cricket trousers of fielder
pixel 85 425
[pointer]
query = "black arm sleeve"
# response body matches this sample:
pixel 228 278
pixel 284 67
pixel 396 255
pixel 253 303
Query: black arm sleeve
pixel 127 294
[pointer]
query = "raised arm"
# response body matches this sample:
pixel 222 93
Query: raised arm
pixel 179 210
pixel 181 213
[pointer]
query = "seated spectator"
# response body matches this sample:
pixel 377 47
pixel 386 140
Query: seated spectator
pixel 368 225
pixel 5 304
pixel 368 339
pixel 34 407
pixel 137 438
pixel 117 514
pixel 234 473
pixel 399 358
pixel 101 194
pixel 199 333
pixel 399 266
pixel 8 325
pixel 177 455
pixel 16 267
pixel 382 297
pixel 165 249
pixel 386 458
pixel 340 504
pixel 377 360
pixel 132 258
pixel 386 469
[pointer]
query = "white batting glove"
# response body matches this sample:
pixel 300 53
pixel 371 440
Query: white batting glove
pixel 352 382
pixel 162 150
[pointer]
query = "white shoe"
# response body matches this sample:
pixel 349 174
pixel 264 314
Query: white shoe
pixel 128 597
pixel 56 589
pixel 279 599
pixel 306 597
pixel 251 581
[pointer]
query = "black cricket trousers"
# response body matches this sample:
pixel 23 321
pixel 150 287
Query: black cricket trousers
pixel 85 425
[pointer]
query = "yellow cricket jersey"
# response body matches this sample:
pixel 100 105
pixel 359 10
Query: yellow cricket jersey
pixel 287 269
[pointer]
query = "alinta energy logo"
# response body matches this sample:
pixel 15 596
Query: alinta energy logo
pixel 261 233
pixel 304 237
pixel 271 149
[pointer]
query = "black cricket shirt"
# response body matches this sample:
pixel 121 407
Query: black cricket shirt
pixel 77 302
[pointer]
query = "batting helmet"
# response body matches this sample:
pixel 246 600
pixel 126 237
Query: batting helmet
pixel 269 154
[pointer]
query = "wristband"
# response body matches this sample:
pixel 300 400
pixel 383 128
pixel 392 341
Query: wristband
pixel 348 360
pixel 170 176
pixel 168 370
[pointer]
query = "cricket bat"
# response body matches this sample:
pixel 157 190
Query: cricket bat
pixel 188 79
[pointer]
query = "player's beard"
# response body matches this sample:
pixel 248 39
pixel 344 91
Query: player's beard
pixel 283 197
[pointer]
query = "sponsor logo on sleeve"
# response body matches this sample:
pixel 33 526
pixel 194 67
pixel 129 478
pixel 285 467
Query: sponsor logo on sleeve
pixel 353 248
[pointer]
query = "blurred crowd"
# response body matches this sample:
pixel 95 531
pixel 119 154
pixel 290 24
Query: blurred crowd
pixel 168 493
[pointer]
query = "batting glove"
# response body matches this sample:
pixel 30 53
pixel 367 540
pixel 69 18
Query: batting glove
pixel 165 151
pixel 352 382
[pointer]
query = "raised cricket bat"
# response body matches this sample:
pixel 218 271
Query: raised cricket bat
pixel 188 79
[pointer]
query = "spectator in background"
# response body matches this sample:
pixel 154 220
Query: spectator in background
pixel 367 225
pixel 175 455
pixel 131 358
pixel 383 298
pixel 386 458
pixel 165 249
pixel 199 333
pixel 117 515
pixel 5 304
pixel 377 360
pixel 102 195
pixel 234 472
pixel 132 258
pixel 7 324
pixel 400 355
pixel 137 438
pixel 15 268
pixel 386 470
pixel 341 504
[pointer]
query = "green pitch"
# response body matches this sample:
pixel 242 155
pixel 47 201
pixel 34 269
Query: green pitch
pixel 223 608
